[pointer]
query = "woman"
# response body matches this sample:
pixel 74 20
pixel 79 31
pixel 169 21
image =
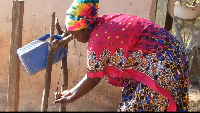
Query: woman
pixel 130 52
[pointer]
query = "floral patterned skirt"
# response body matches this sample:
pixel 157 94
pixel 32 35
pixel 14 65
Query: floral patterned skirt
pixel 137 97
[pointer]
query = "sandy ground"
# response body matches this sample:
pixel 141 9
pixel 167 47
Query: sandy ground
pixel 194 96
pixel 194 93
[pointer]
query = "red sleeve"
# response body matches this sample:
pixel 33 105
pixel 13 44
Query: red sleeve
pixel 96 74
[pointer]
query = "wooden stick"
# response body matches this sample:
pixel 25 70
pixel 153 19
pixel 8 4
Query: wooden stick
pixel 14 66
pixel 64 70
pixel 58 28
pixel 44 105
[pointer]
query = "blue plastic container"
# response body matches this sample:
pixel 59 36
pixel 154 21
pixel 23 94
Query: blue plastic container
pixel 33 56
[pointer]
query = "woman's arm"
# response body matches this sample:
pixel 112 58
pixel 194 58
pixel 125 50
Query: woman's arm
pixel 82 88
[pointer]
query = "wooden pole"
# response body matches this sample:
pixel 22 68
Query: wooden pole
pixel 161 11
pixel 44 105
pixel 14 66
pixel 64 70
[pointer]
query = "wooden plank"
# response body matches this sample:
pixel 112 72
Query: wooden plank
pixel 46 90
pixel 14 62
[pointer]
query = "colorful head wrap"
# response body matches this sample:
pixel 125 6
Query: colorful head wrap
pixel 81 14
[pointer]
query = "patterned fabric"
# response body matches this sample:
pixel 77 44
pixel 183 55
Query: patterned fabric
pixel 143 58
pixel 138 97
pixel 81 14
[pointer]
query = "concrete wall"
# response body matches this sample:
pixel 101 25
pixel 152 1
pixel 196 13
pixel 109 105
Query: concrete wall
pixel 37 20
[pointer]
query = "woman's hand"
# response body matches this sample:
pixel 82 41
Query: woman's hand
pixel 82 88
pixel 63 97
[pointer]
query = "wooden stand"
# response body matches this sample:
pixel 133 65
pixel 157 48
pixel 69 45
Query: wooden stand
pixel 64 70
pixel 14 66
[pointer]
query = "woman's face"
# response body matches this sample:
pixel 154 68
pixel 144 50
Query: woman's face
pixel 81 35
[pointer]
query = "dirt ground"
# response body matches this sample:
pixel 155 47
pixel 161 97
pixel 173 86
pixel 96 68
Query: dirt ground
pixel 194 97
